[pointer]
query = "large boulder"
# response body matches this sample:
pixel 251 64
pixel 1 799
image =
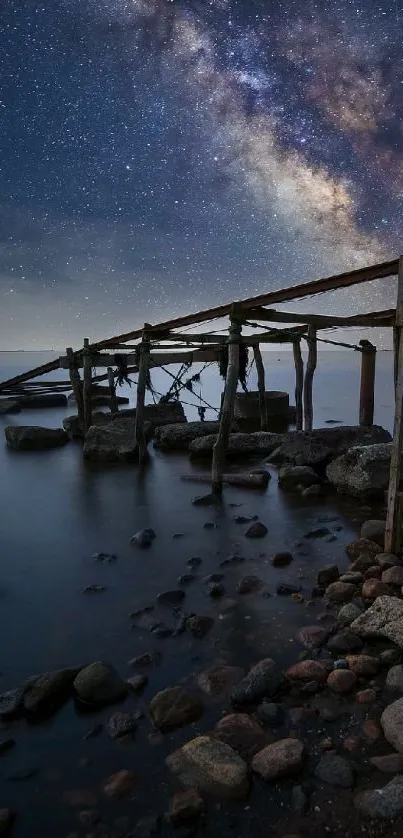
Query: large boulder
pixel 212 767
pixel 178 436
pixel 34 437
pixel 363 471
pixel 392 724
pixel 383 619
pixel 113 443
pixel 320 446
pixel 239 445
pixel 99 683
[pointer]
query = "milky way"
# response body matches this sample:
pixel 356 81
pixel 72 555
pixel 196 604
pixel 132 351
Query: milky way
pixel 159 156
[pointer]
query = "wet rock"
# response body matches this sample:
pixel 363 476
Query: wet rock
pixel 374 530
pixel 186 807
pixel 214 577
pixel 94 731
pixel 216 590
pixel 341 681
pixel 374 588
pixel 146 659
pixel 249 584
pixel 143 538
pixel 121 725
pixel 7 817
pixel 94 589
pixel 344 641
pixel 393 576
pixel 232 560
pixel 388 763
pixel 112 442
pixel 389 657
pixel 34 438
pixel 256 530
pixel 363 471
pixel 312 491
pixel 282 559
pixel 318 532
pixel 394 678
pixel 335 770
pixel 179 434
pixel 195 561
pixel 137 683
pixel 11 704
pixel 239 444
pixel 45 693
pixel 174 707
pixel 386 560
pixel 243 734
pixel 362 547
pixel 210 499
pixel 353 576
pixel 105 558
pixel 341 663
pixel 305 671
pixel 382 619
pixel 212 767
pixel 312 637
pixel 173 597
pixel 366 696
pixel 218 680
pixel 292 477
pixel 373 572
pixel 327 575
pixel 362 564
pixel 341 591
pixel 186 578
pixel 199 625
pixel 268 713
pixel 122 784
pixel 364 666
pixel 280 759
pixel 385 803
pixel 348 613
pixel 287 590
pixel 99 683
pixel 262 681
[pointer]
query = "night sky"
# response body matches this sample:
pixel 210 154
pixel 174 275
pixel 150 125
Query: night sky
pixel 160 156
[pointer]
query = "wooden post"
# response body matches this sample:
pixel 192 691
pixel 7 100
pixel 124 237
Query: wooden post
pixel 367 389
pixel 299 383
pixel 112 391
pixel 309 373
pixel 393 523
pixel 144 351
pixel 87 388
pixel 396 339
pixel 227 410
pixel 261 386
pixel 76 385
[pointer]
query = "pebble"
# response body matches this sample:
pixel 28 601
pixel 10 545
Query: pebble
pixel 282 559
pixel 216 590
pixel 335 770
pixel 256 530
pixel 371 730
pixel 341 681
pixel 121 725
pixel 373 588
pixel 143 538
pixel 249 584
pixel 185 807
pixel 173 597
pixel 121 784
pixel 366 696
pixel 108 558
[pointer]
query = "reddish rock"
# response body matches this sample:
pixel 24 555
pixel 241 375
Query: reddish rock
pixel 243 734
pixel 341 681
pixel 393 576
pixel 386 560
pixel 366 696
pixel 219 680
pixel 305 671
pixel 281 759
pixel 174 707
pixel 312 637
pixel 362 547
pixel 373 588
pixel 341 591
pixel 186 807
pixel 79 797
pixel 362 564
pixel 326 744
pixel 388 763
pixel 364 666
pixel 352 743
pixel 373 572
pixel 371 730
pixel 121 784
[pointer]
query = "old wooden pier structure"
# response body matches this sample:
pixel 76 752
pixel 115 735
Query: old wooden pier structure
pixel 168 343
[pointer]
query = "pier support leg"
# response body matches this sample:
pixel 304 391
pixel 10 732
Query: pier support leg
pixel 299 383
pixel 227 410
pixel 144 350
pixel 112 391
pixel 87 388
pixel 393 521
pixel 261 384
pixel 367 389
pixel 76 386
pixel 309 373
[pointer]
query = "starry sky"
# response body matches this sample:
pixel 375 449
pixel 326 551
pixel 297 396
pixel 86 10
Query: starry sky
pixel 161 156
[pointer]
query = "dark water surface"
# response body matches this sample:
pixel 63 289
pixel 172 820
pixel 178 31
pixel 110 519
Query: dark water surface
pixel 56 511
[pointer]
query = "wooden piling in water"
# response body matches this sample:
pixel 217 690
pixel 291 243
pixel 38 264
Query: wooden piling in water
pixel 299 383
pixel 309 374
pixel 76 385
pixel 112 392
pixel 87 386
pixel 144 361
pixel 393 517
pixel 227 411
pixel 367 388
pixel 261 384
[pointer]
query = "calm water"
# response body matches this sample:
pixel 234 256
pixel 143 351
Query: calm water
pixel 56 512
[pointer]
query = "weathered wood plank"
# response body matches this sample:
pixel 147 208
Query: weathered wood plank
pixel 299 384
pixel 367 385
pixel 309 374
pixel 261 386
pixel 393 523
pixel 227 410
pixel 324 321
pixel 139 430
pixel 76 385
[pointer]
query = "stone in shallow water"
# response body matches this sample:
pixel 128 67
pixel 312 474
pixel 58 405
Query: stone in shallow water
pixel 384 803
pixel 243 734
pixel 306 671
pixel 282 559
pixel 281 759
pixel 392 724
pixel 143 538
pixel 327 575
pixel 219 680
pixel 262 681
pixel 99 683
pixel 249 584
pixel 312 637
pixel 256 530
pixel 47 692
pixel 121 725
pixel 341 681
pixel 11 704
pixel 199 625
pixel 341 591
pixel 120 785
pixel 174 707
pixel 34 438
pixel 344 641
pixel 212 767
pixel 137 683
pixel 185 807
pixel 173 597
pixel 335 770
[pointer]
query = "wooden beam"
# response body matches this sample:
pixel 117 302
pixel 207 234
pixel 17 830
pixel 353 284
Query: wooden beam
pixel 227 410
pixel 367 387
pixel 324 321
pixel 299 383
pixel 87 388
pixel 309 373
pixel 261 385
pixel 393 523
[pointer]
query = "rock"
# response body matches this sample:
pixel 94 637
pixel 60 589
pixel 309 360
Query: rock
pixel 312 637
pixel 186 578
pixel 341 591
pixel 195 561
pixel 393 576
pixel 312 491
pixel 75 430
pixel 45 693
pixel 327 575
pixel 382 619
pixel 363 666
pixel 299 799
pixel 353 576
pixel 262 681
pixel 212 767
pixel 373 572
pixel 79 797
pixel 371 730
pixel 374 530
pixel 288 590
pixel 12 704
pixel 362 547
pixel 363 564
pixel 385 803
pixel 239 445
pixel 306 671
pixel 388 763
pixel 366 696
pixel 7 817
pixel 120 785
pixel 268 712
pixel 341 681
pixel 146 659
pixel 146 827
pixel 392 724
pixel 344 641
pixel 99 683
pixel 394 678
pixel 94 589
pixel 113 442
pixel 374 588
pixel 386 560
pixel 121 725
pixel 335 770
pixel 105 558
pixel 174 707
pixel 34 438
pixel 249 584
pixel 137 683
pixel 186 807
pixel 348 613
pixel 211 499
pixel 291 477
pixel 389 657
pixel 318 532
pixel 143 538
pixel 243 734
pixel 216 590
pixel 178 436
pixel 280 759
pixel 363 471
pixel 173 597
pixel 256 530
pixel 218 680
pixel 282 559
pixel 317 447
pixel 199 625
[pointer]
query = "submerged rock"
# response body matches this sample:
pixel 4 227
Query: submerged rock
pixel 112 443
pixel 249 584
pixel 34 438
pixel 120 785
pixel 281 759
pixel 45 693
pixel 328 574
pixel 173 597
pixel 256 530
pixel 243 734
pixel 121 725
pixel 199 625
pixel 212 767
pixel 335 770
pixel 174 707
pixel 363 471
pixel 292 477
pixel 306 671
pixel 218 680
pixel 262 681
pixel 319 446
pixel 143 538
pixel 12 704
pixel 99 683
pixel 177 437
